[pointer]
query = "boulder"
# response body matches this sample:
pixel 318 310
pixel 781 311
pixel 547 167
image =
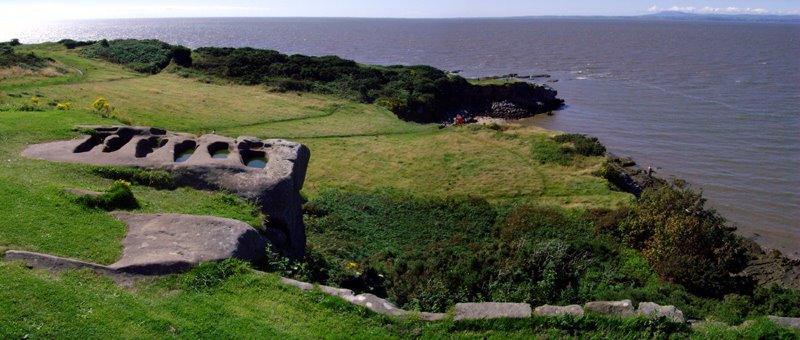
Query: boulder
pixel 166 243
pixel 653 310
pixel 491 310
pixel 785 322
pixel 622 308
pixel 209 162
pixel 548 310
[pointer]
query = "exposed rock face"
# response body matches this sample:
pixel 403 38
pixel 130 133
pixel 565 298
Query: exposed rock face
pixel 622 308
pixel 167 243
pixel 509 101
pixel 506 110
pixel 491 310
pixel 770 268
pixel 630 177
pixel 654 310
pixel 548 310
pixel 214 162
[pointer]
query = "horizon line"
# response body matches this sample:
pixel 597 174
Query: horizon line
pixel 688 14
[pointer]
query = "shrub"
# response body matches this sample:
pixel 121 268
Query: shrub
pixel 181 55
pixel 71 44
pixel 211 274
pixel 583 145
pixel 117 196
pixel 545 150
pixel 145 56
pixel 776 300
pixel 684 242
pixel 8 57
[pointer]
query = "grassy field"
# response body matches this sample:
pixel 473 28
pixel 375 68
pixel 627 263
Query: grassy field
pixel 354 147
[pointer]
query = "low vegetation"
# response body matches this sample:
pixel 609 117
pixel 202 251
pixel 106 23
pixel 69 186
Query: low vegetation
pixel 117 197
pixel 424 216
pixel 146 56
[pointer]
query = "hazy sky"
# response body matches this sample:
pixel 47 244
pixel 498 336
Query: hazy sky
pixel 27 10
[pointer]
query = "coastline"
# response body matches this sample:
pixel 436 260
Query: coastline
pixel 768 264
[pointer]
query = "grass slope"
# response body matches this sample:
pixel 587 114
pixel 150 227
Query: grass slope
pixel 354 146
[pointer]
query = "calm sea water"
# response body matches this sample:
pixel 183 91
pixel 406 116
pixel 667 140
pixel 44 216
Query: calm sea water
pixel 717 104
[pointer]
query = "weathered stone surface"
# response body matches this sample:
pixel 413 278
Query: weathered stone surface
pixel 491 310
pixel 340 292
pixel 167 243
pixel 297 284
pixel 768 268
pixel 630 177
pixel 785 322
pixel 55 263
pixel 548 310
pixel 433 316
pixel 377 305
pixel 622 308
pixel 275 188
pixel 654 310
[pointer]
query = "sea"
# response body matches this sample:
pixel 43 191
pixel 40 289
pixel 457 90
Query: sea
pixel 714 103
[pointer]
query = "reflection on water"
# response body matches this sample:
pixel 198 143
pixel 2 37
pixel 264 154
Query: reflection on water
pixel 184 156
pixel 257 162
pixel 221 154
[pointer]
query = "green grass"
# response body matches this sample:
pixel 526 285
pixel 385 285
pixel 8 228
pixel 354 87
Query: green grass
pixel 354 147
pixel 36 213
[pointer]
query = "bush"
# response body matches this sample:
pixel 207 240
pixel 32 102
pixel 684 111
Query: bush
pixel 158 179
pixel 776 300
pixel 9 57
pixel 545 150
pixel 181 55
pixel 145 56
pixel 684 242
pixel 211 274
pixel 117 196
pixel 71 44
pixel 582 144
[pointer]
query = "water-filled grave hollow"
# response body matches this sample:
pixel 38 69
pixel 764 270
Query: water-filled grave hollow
pixel 184 150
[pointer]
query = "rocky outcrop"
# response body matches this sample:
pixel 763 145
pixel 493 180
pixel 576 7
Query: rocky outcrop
pixel 548 310
pixel 622 308
pixel 768 268
pixel 506 110
pixel 164 244
pixel 269 173
pixel 654 310
pixel 168 243
pixel 509 101
pixel 625 174
pixel 492 310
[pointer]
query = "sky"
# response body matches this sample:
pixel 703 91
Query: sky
pixel 44 10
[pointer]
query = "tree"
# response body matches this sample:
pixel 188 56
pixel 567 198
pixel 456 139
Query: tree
pixel 683 241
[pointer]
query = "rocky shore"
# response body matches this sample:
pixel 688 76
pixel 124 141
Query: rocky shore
pixel 765 267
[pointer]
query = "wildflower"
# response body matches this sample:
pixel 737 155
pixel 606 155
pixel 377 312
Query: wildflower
pixel 99 104
pixel 123 182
